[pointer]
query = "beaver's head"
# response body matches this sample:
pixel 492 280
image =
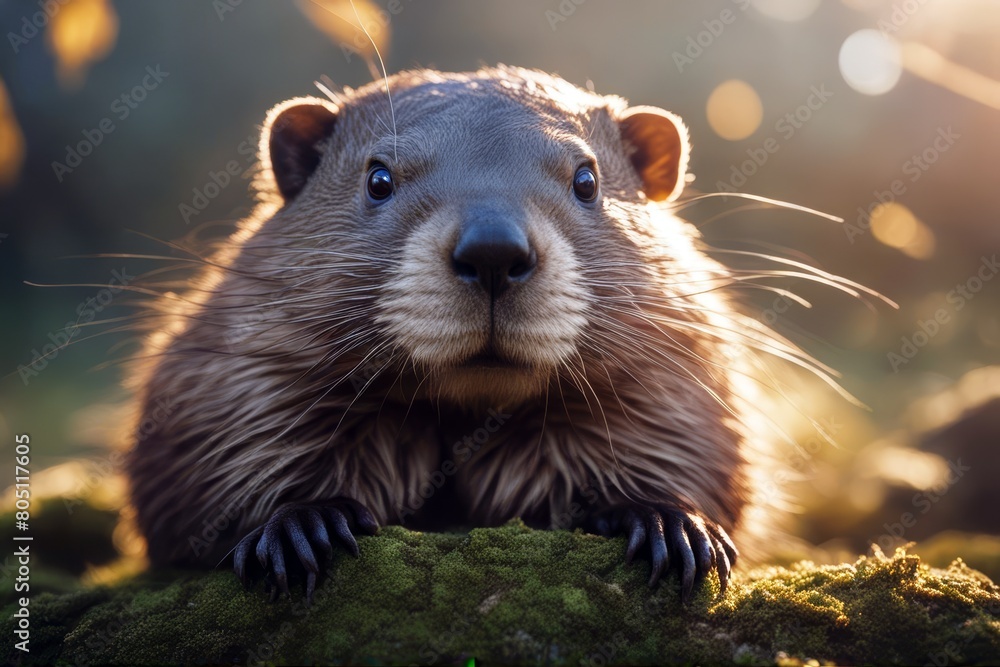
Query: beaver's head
pixel 481 219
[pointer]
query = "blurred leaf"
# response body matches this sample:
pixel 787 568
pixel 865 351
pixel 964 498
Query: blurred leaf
pixel 11 142
pixel 339 21
pixel 81 33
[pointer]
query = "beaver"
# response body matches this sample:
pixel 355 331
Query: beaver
pixel 462 303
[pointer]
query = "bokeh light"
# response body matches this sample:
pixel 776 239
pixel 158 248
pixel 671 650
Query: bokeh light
pixel 734 110
pixel 339 20
pixel 11 142
pixel 870 62
pixel 910 467
pixel 81 33
pixel 895 225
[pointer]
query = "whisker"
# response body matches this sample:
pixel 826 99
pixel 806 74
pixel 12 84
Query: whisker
pixel 684 203
pixel 834 279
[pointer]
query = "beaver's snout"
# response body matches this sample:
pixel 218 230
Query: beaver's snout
pixel 493 251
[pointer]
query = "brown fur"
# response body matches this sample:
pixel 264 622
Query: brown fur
pixel 623 390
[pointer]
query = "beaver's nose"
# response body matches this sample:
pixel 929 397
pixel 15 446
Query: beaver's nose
pixel 494 252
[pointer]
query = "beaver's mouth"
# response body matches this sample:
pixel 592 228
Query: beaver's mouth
pixel 490 359
pixel 490 377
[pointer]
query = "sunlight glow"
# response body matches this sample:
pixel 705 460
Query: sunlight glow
pixel 870 62
pixel 734 110
pixel 81 33
pixel 337 19
pixel 928 64
pixel 974 388
pixel 895 225
pixel 11 142
pixel 902 465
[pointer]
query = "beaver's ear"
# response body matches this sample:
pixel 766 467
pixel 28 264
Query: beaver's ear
pixel 289 145
pixel 657 143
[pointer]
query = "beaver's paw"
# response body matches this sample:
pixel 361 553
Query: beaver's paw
pixel 288 543
pixel 683 539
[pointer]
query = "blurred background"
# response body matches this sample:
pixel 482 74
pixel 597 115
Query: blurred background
pixel 123 123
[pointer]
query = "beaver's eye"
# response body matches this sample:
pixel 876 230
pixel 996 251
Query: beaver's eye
pixel 379 182
pixel 585 184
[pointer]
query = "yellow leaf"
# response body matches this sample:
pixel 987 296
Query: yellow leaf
pixel 81 33
pixel 11 142
pixel 337 18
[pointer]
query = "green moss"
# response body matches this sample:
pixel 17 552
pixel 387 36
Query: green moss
pixel 514 594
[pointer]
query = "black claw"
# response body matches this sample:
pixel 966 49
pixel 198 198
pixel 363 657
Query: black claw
pixel 305 532
pixel 264 544
pixel 318 533
pixel 341 530
pixel 297 536
pixel 701 545
pixel 724 568
pixel 681 546
pixel 636 535
pixel 684 541
pixel 657 546
pixel 363 516
pixel 277 553
pixel 242 554
pixel 270 587
pixel 728 545
pixel 310 587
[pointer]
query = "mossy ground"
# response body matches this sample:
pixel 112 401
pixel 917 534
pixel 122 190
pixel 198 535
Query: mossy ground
pixel 511 594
